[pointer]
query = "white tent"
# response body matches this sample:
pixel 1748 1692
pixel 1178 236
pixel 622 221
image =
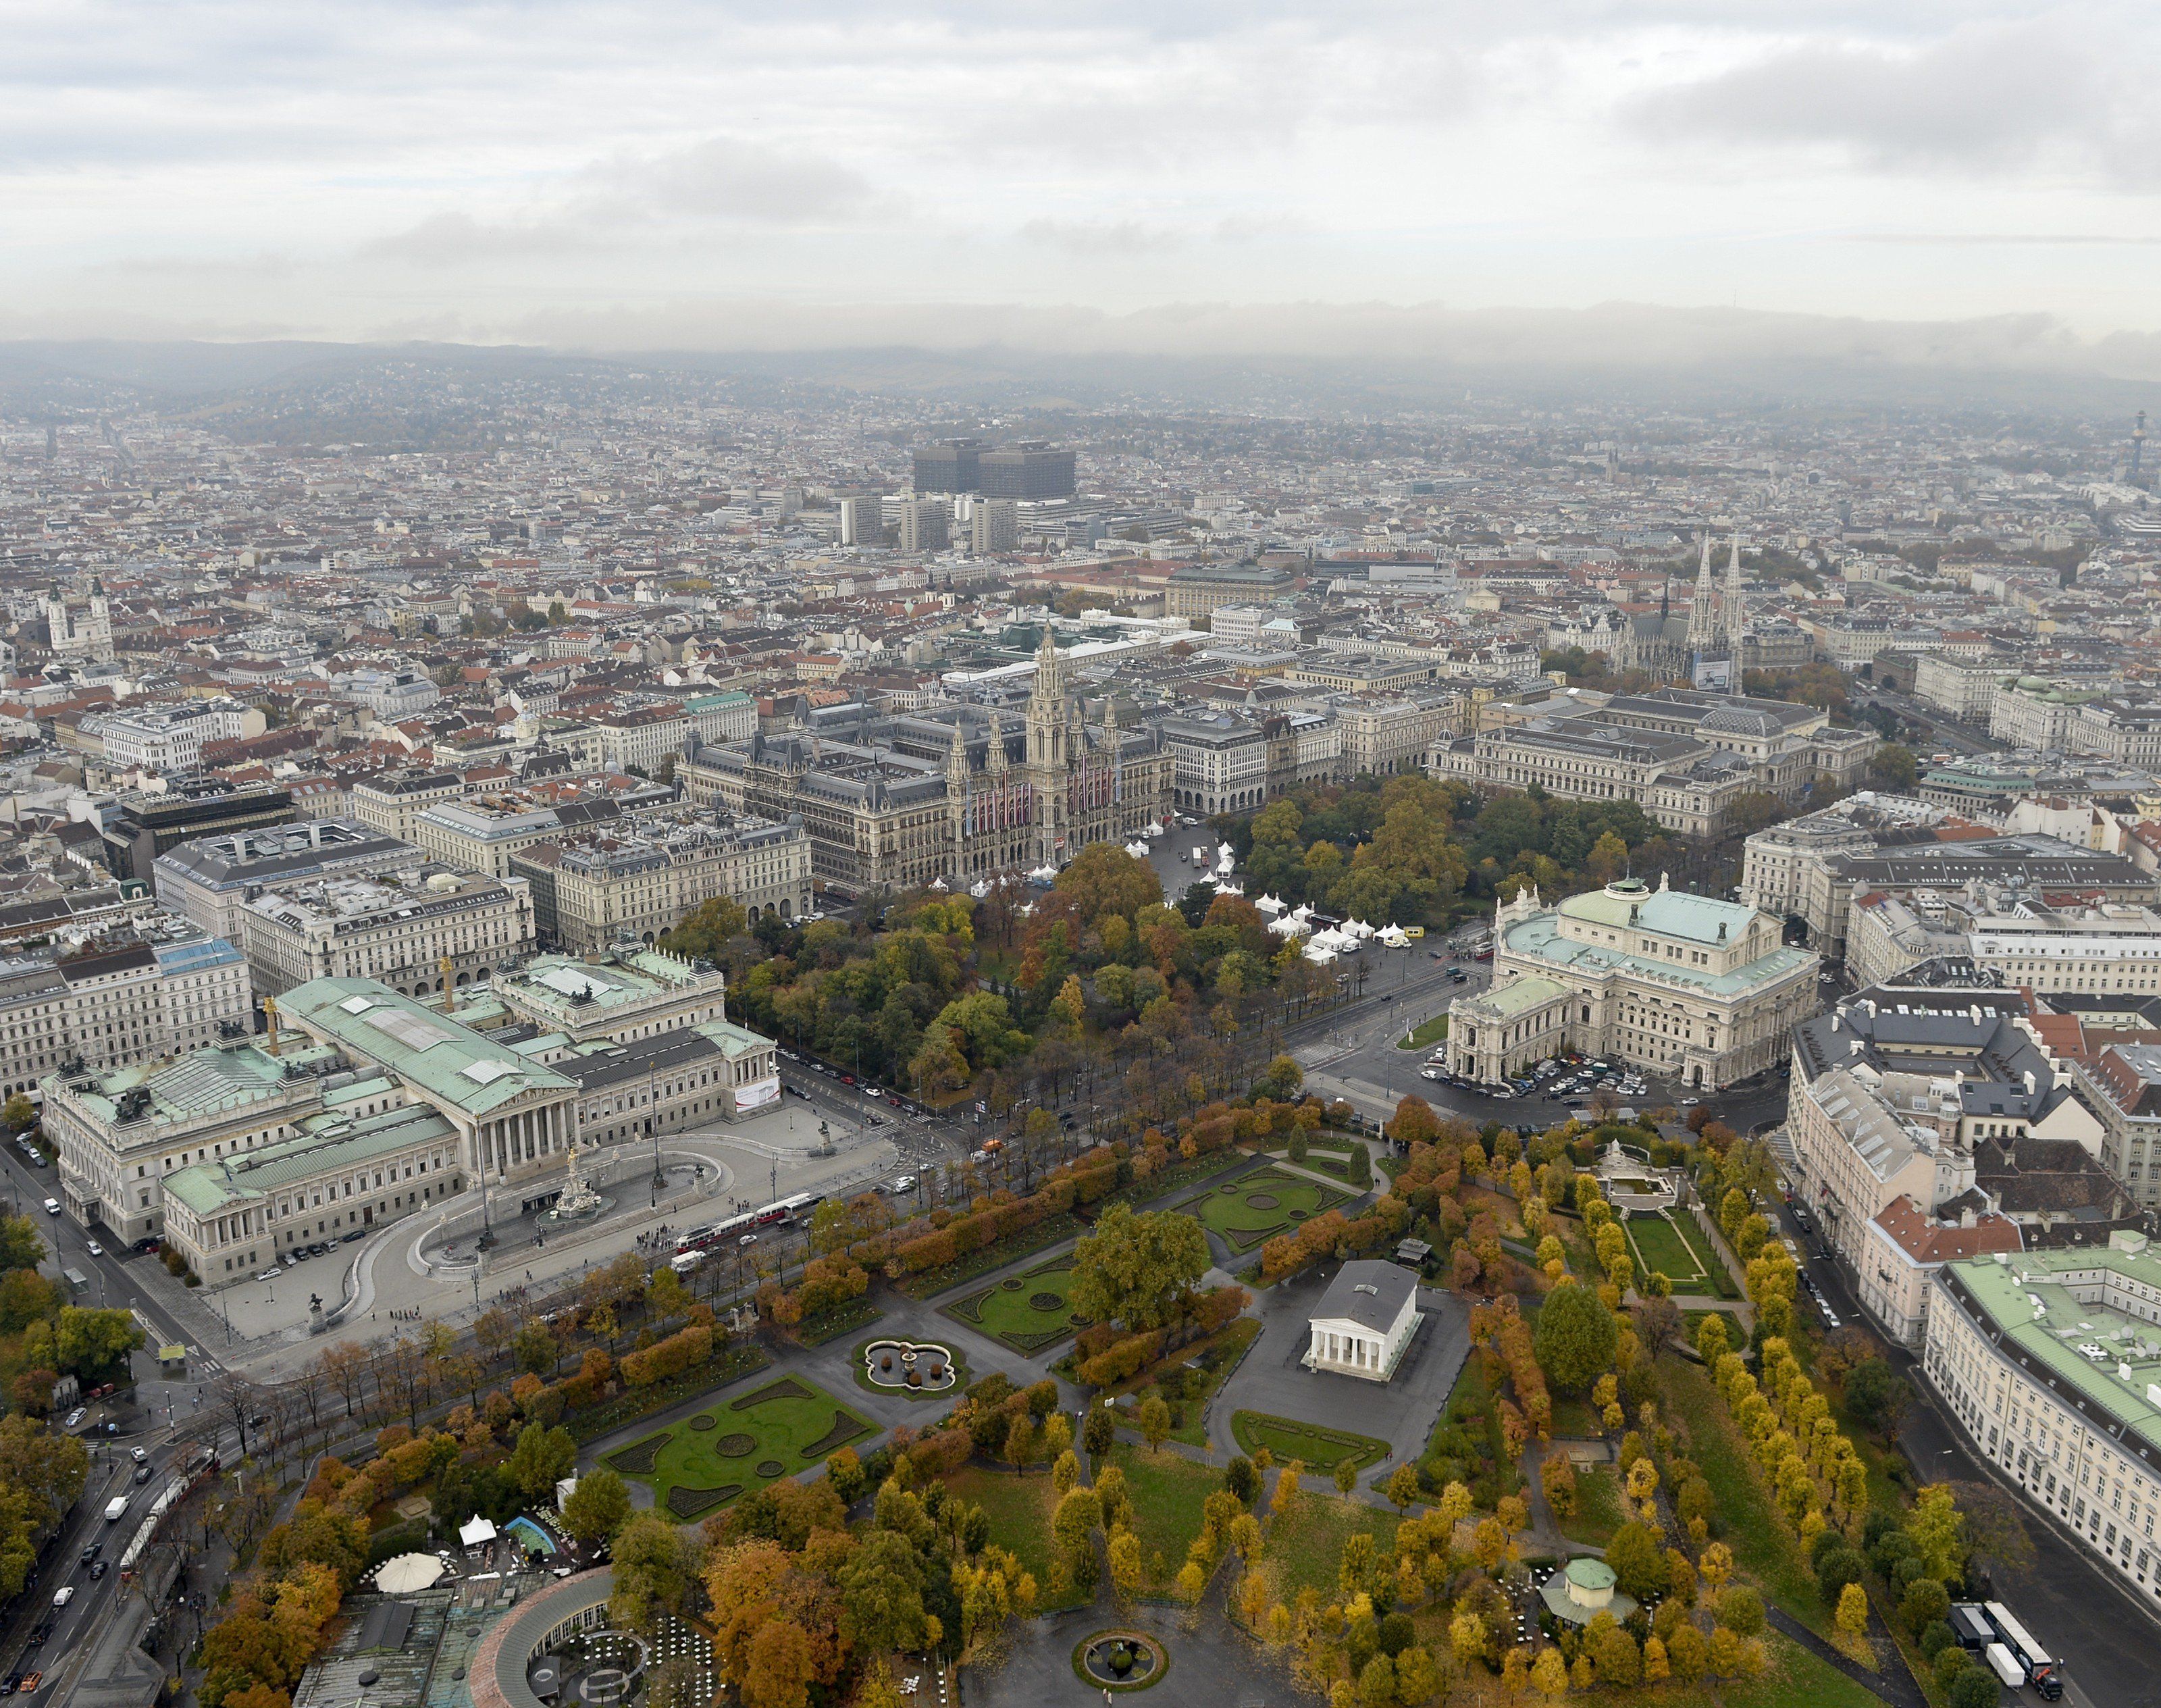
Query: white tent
pixel 1290 926
pixel 1270 905
pixel 1227 888
pixel 408 1572
pixel 1392 937
pixel 1138 848
pixel 1358 928
pixel 1319 953
pixel 475 1532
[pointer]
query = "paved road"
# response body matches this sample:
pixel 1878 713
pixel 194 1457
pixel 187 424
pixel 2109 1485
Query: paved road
pixel 2105 1636
pixel 1949 736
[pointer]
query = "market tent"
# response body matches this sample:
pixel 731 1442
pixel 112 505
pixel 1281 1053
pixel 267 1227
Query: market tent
pixel 476 1533
pixel 407 1573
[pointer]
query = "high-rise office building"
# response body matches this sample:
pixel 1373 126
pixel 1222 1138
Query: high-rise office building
pixel 1030 470
pixel 995 527
pixel 924 525
pixel 862 523
pixel 948 466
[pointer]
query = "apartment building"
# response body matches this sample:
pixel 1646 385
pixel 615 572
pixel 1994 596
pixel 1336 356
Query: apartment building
pixel 169 739
pixel 209 880
pixel 593 888
pixel 1381 735
pixel 2122 1086
pixel 1700 990
pixel 1965 688
pixel 417 929
pixel 391 805
pixel 639 738
pixel 481 834
pixel 1222 763
pixel 157 986
pixel 1940 1093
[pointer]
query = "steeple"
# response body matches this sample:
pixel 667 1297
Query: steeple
pixel 1702 626
pixel 957 761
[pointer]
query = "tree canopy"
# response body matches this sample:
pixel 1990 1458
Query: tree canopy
pixel 1134 1270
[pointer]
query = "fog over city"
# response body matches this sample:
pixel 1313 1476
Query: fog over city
pixel 1948 186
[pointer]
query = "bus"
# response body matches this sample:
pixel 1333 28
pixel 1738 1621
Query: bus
pixel 2040 1670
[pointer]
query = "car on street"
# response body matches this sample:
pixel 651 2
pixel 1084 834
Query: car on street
pixel 1690 1102
pixel 62 1595
pixel 748 1239
pixel 52 1206
pixel 266 1274
pixel 95 1249
pixel 28 1683
pixel 1430 1074
pixel 906 1183
pixel 142 1475
pixel 73 1417
pixel 98 1568
pixel 92 1551
pixel 138 1456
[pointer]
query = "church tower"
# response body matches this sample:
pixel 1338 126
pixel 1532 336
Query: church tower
pixel 1703 621
pixel 1733 606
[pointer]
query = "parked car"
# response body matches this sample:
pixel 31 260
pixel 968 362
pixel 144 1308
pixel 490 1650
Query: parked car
pixel 1429 1073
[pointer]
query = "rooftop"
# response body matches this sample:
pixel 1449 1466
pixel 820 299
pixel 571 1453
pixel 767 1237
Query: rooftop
pixel 444 1057
pixel 2080 1319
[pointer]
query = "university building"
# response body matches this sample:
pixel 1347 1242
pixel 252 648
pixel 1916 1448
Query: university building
pixel 592 889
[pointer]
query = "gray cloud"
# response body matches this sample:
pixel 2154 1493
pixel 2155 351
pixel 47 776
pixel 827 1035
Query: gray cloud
pixel 724 178
pixel 720 181
pixel 1977 99
pixel 1103 236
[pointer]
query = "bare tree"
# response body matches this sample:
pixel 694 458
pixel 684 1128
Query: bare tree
pixel 347 1368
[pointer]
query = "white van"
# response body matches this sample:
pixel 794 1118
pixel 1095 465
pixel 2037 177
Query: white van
pixel 114 1507
pixel 52 1206
pixel 62 1595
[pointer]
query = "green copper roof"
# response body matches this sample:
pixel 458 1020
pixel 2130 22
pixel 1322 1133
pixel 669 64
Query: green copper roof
pixel 210 1189
pixel 2050 1306
pixel 442 1055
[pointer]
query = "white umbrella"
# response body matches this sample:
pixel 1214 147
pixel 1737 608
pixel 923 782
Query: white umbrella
pixel 407 1573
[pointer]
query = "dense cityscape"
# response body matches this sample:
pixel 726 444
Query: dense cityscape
pixel 672 1037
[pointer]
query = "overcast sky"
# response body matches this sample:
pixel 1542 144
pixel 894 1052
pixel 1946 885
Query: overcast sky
pixel 777 173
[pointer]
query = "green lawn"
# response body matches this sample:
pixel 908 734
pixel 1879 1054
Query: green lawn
pixel 1019 1509
pixel 1722 1283
pixel 1657 1245
pixel 1797 1680
pixel 1306 1544
pixel 1167 1491
pixel 1196 1387
pixel 1424 1036
pixel 707 1459
pixel 1253 1209
pixel 1027 1311
pixel 1322 1450
pixel 1768 1553
pixel 1598 1513
pixel 1329 1160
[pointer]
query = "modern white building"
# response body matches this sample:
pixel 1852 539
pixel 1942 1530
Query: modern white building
pixel 1364 1322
